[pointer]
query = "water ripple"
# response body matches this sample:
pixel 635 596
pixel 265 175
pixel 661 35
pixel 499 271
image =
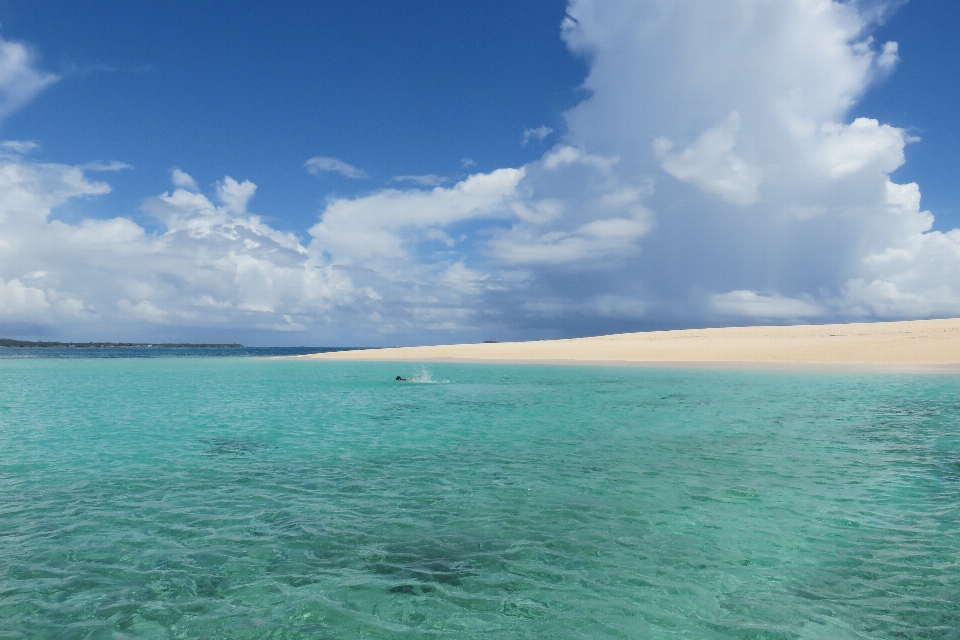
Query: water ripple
pixel 260 499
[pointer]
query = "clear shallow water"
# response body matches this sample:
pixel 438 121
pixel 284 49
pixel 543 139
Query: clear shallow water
pixel 245 498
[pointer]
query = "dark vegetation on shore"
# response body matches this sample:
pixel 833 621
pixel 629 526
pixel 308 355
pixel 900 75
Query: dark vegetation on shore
pixel 7 342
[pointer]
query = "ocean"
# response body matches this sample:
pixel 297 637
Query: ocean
pixel 226 497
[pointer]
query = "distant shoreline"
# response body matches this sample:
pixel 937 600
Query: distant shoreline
pixel 912 343
pixel 7 342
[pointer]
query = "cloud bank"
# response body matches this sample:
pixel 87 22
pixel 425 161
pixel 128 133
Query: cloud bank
pixel 713 177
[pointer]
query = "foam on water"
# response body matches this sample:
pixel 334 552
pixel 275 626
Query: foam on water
pixel 243 498
pixel 423 376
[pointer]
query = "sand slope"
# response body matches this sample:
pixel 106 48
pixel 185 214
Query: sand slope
pixel 916 342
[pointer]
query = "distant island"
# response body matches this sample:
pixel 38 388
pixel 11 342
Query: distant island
pixel 7 342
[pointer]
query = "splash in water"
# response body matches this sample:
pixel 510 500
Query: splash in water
pixel 425 377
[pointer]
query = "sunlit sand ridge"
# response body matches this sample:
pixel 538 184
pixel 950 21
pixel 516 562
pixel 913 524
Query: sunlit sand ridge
pixel 915 342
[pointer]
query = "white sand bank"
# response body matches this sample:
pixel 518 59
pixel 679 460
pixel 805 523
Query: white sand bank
pixel 915 342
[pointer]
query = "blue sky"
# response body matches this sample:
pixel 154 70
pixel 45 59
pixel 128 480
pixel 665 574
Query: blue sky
pixel 473 170
pixel 922 97
pixel 254 89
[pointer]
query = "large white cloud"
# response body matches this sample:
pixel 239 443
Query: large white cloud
pixel 769 202
pixel 377 226
pixel 713 176
pixel 212 266
pixel 573 213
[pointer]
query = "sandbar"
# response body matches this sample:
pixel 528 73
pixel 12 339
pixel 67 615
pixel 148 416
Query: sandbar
pixel 912 343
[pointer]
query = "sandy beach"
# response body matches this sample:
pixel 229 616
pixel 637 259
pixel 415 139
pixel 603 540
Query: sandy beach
pixel 907 343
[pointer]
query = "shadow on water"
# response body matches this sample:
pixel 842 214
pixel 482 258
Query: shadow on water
pixel 417 568
pixel 232 447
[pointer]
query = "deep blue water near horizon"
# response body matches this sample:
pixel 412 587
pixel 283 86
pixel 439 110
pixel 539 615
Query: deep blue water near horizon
pixel 256 498
pixel 160 352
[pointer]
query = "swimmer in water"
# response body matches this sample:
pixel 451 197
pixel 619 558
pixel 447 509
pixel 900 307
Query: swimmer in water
pixel 399 379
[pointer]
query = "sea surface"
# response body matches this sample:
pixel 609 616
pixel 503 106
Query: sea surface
pixel 221 497
pixel 158 352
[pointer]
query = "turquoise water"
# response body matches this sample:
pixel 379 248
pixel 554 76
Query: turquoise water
pixel 247 498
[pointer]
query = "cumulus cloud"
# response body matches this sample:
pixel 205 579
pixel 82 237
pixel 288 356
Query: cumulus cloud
pixel 540 133
pixel 377 225
pixel 21 302
pixel 325 164
pixel 213 265
pixel 736 114
pixel 588 220
pixel 917 276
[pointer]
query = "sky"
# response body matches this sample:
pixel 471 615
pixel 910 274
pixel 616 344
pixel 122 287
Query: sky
pixel 386 173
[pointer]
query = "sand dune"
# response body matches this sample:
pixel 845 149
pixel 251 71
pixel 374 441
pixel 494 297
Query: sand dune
pixel 916 342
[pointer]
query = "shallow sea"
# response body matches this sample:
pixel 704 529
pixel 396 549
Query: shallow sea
pixel 255 498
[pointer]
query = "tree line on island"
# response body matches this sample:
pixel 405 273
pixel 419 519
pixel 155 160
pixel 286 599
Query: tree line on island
pixel 7 342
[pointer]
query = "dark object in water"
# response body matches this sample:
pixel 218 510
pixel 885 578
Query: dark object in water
pixel 491 342
pixel 401 379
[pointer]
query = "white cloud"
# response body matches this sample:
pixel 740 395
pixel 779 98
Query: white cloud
pixel 711 163
pixel 98 165
pixel 467 163
pixel 752 305
pixel 573 214
pixel 183 180
pixel 379 224
pixel 597 240
pixel 768 186
pixel 865 143
pixel 21 302
pixel 29 191
pixel 540 133
pixel 919 275
pixel 564 155
pixel 889 57
pixel 235 195
pixel 326 164
pixel 20 81
pixel 213 265
pixel 427 180
pixel 21 147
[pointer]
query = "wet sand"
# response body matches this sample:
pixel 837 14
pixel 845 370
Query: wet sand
pixel 908 343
